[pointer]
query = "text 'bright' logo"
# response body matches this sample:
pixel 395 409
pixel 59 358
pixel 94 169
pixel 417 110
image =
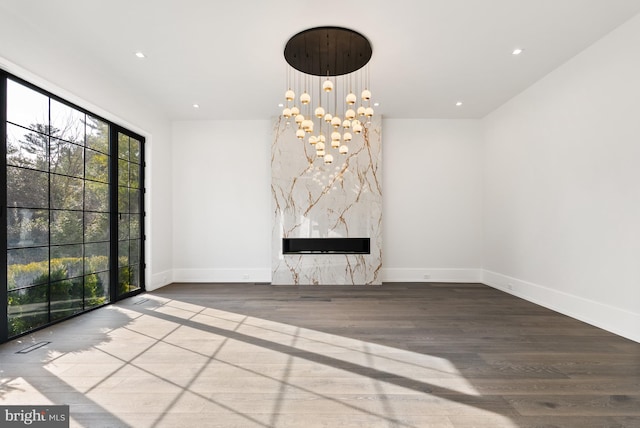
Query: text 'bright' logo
pixel 38 416
pixel 26 417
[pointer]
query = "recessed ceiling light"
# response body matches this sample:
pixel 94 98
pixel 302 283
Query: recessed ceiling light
pixel 140 55
pixel 376 104
pixel 196 106
pixel 280 105
pixel 459 103
pixel 517 51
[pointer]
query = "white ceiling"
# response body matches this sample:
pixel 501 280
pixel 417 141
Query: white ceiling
pixel 227 56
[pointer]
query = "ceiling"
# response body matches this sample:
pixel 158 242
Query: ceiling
pixel 228 56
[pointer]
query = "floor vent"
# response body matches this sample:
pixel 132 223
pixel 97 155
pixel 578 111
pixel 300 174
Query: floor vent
pixel 141 301
pixel 315 298
pixel 33 347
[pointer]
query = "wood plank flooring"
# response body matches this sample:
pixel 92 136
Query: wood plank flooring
pixel 396 355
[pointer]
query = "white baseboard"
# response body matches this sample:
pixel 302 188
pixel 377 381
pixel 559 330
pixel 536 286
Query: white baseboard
pixel 264 275
pixel 222 275
pixel 430 275
pixel 615 320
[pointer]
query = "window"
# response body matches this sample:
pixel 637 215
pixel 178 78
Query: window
pixel 73 230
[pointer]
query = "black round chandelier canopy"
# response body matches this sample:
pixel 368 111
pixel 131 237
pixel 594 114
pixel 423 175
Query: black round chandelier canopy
pixel 328 51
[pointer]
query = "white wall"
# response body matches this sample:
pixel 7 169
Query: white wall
pixel 562 187
pixel 222 201
pixel 34 57
pixel 432 199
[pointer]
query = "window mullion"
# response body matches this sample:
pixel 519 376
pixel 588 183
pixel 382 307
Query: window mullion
pixel 113 213
pixel 4 295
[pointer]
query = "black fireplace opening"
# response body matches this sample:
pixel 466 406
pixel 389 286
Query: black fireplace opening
pixel 326 246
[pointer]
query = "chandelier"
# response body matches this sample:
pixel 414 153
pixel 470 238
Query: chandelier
pixel 328 94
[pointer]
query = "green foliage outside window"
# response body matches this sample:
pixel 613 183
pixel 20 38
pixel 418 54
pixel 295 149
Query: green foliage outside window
pixel 59 210
pixel 69 294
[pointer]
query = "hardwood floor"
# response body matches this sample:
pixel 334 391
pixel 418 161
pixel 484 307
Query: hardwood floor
pixel 397 355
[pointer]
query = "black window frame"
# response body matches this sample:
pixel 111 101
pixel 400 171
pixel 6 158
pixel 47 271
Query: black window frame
pixel 114 129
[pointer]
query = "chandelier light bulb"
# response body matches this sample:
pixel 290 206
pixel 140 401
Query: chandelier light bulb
pixel 286 113
pixel 319 112
pixel 350 114
pixel 346 124
pixel 295 111
pixel 335 136
pixel 347 137
pixel 305 98
pixel 299 119
pixel 351 99
pixel 320 153
pixel 327 85
pixel 366 95
pixel 289 95
pixel 368 112
pixel 313 140
pixel 328 158
pixel 307 125
pixel 322 138
pixel 361 111
pixel 357 128
pixel 319 146
pixel 335 143
pixel 300 134
pixel 328 117
pixel 343 149
pixel 336 122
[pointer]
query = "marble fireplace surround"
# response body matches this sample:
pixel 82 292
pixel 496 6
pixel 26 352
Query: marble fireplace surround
pixel 313 200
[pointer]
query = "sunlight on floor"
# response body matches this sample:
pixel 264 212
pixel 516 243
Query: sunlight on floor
pixel 172 362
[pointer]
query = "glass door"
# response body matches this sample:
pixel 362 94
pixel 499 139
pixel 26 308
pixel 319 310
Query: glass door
pixel 130 245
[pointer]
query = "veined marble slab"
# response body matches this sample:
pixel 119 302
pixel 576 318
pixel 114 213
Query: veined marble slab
pixel 311 199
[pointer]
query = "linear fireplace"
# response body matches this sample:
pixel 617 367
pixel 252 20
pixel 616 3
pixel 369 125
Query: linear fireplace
pixel 326 246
